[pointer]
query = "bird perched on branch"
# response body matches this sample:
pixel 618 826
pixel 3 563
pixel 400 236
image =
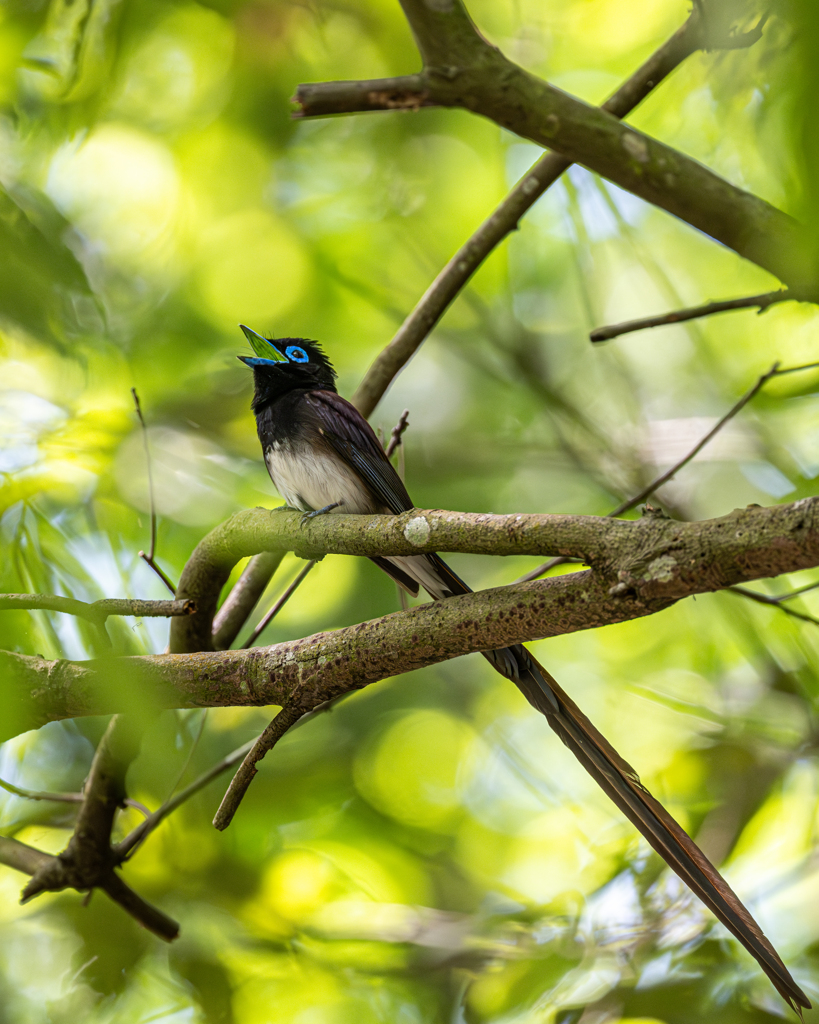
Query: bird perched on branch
pixel 324 457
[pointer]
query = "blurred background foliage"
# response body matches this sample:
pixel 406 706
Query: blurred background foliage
pixel 428 851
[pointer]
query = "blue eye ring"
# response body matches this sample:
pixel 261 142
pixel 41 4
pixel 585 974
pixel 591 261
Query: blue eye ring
pixel 296 354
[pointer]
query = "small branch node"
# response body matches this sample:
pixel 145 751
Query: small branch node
pixel 397 432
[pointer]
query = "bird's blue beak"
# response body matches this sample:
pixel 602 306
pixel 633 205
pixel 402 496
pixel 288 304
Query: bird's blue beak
pixel 266 352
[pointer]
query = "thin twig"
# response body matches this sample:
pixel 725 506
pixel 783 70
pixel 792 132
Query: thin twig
pixel 541 570
pixel 397 431
pixel 144 828
pixel 149 557
pixel 97 611
pixel 32 794
pixel 761 302
pixel 154 818
pixel 247 770
pixel 181 775
pixel 277 607
pixel 646 492
pixel 451 280
pixel 794 593
pixel 396 443
pixel 775 602
pixel 130 802
pixel 160 573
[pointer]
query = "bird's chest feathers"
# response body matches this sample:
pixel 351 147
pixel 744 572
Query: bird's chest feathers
pixel 309 477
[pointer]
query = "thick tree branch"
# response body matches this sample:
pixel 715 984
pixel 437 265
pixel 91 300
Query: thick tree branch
pixel 548 169
pixel 22 857
pixel 461 69
pixel 638 568
pixel 320 99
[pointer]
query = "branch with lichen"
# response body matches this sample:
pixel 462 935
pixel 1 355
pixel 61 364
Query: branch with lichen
pixel 637 568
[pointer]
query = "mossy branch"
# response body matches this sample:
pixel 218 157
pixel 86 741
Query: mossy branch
pixel 637 568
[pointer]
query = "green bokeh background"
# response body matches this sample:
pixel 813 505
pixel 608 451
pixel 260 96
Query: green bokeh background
pixel 428 851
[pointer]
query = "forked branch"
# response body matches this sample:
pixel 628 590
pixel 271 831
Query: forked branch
pixel 88 861
pixel 461 69
pixel 548 169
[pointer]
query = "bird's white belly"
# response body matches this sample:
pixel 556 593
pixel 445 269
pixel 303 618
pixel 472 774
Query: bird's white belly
pixel 308 480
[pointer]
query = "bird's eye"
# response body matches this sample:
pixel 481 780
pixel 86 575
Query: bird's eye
pixel 296 354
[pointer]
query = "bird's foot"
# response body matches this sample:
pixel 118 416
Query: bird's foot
pixel 320 512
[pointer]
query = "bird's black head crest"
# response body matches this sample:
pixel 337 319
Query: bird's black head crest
pixel 286 364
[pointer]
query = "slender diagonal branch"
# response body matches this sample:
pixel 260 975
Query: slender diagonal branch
pixel 243 598
pixel 775 371
pixel 462 69
pixel 247 770
pixel 791 594
pixel 277 606
pixel 449 282
pixel 775 602
pixel 124 849
pixel 758 302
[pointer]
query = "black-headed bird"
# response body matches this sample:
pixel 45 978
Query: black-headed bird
pixel 324 457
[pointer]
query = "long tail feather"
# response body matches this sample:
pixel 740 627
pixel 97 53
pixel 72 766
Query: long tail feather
pixel 622 785
pixel 620 782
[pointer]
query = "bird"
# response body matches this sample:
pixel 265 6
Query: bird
pixel 323 457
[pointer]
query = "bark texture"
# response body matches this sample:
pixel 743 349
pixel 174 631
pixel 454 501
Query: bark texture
pixel 637 568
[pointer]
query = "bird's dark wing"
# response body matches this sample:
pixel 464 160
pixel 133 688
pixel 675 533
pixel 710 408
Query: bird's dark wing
pixel 352 437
